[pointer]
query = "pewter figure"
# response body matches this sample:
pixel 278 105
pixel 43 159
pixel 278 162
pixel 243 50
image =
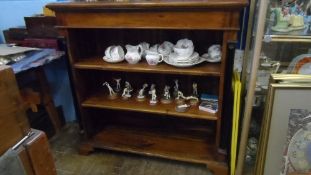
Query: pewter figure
pixel 111 92
pixel 127 90
pixel 141 92
pixel 118 87
pixel 195 89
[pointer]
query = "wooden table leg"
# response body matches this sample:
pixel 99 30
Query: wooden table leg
pixel 47 99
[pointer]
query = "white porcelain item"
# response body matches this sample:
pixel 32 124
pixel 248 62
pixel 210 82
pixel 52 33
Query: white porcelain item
pixel 184 49
pixel 144 46
pixel 114 54
pixel 208 59
pixel 214 52
pixel 154 59
pixel 184 43
pixel 173 58
pixel 165 48
pixel 183 53
pixel 133 53
pixel 154 48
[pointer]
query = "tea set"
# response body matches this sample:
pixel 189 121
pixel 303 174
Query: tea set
pixel 181 54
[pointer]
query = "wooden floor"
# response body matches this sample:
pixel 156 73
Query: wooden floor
pixel 69 162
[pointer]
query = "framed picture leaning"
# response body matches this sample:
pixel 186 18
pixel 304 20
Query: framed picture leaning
pixel 285 140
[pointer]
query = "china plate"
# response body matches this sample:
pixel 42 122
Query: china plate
pixel 189 64
pixel 193 58
pixel 300 64
pixel 112 60
pixel 299 149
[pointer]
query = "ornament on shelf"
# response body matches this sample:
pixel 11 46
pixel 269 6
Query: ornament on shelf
pixel 194 97
pixel 195 89
pixel 127 91
pixel 141 94
pixel 182 108
pixel 153 94
pixel 180 99
pixel 166 99
pixel 176 88
pixel 118 84
pixel 112 94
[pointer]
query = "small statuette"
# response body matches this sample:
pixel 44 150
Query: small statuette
pixel 141 94
pixel 195 89
pixel 180 99
pixel 112 94
pixel 127 91
pixel 166 99
pixel 176 88
pixel 153 94
pixel 118 86
pixel 194 97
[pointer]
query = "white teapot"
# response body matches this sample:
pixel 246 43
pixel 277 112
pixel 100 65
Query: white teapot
pixel 133 53
pixel 114 54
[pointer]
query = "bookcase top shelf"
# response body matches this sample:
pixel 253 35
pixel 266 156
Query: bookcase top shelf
pixel 147 4
pixel 96 63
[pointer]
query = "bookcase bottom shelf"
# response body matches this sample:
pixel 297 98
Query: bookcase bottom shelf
pixel 169 146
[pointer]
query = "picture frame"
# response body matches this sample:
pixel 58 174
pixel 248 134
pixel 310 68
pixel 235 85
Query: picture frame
pixel 288 103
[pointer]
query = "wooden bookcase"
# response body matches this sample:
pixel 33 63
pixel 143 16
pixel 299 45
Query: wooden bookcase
pixel 137 127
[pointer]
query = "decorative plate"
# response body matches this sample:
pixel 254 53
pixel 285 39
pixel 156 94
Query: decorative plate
pixel 299 149
pixel 208 59
pixel 109 60
pixel 300 65
pixel 185 64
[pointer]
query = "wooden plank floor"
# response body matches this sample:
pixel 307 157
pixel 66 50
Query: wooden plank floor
pixel 69 162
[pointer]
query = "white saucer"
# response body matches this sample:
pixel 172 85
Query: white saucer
pixel 109 60
pixel 208 59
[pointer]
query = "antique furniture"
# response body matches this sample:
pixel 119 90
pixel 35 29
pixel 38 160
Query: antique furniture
pixel 134 126
pixel 14 126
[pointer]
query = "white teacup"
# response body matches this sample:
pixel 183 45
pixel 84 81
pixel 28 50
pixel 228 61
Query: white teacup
pixel 154 58
pixel 183 53
pixel 184 43
pixel 214 52
pixel 114 54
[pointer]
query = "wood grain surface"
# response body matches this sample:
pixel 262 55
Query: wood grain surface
pixel 101 101
pixel 96 63
pixel 13 121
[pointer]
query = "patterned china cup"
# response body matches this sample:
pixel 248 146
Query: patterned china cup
pixel 214 52
pixel 154 58
pixel 114 54
pixel 184 49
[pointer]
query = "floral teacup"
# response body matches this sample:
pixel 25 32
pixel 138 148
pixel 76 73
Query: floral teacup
pixel 154 58
pixel 114 54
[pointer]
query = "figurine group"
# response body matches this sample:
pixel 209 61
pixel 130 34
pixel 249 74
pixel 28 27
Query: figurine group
pixel 166 98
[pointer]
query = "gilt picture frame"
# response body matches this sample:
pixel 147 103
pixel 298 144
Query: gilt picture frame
pixel 288 104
